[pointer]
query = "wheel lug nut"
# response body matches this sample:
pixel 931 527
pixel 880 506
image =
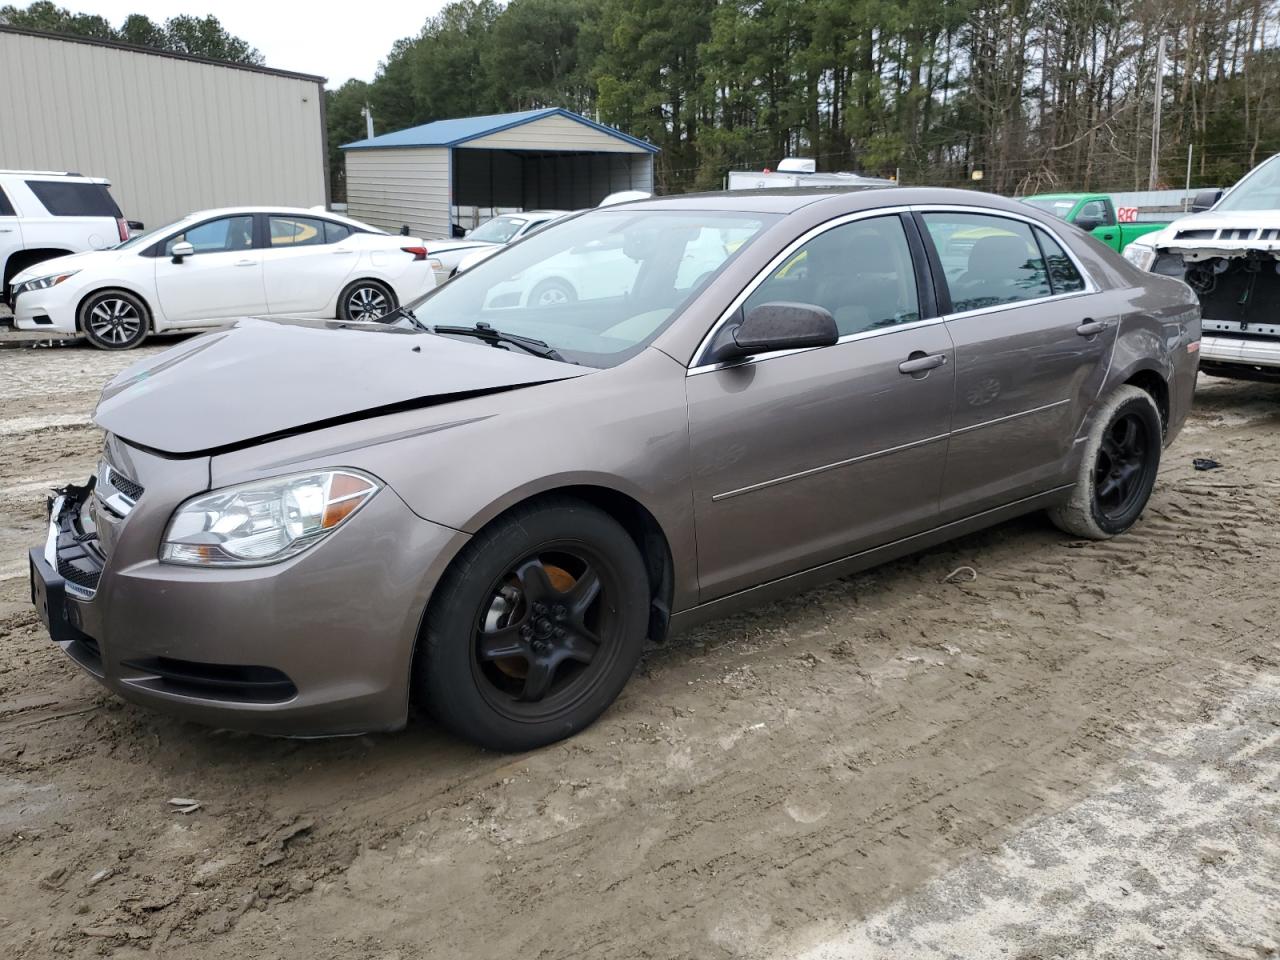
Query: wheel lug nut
pixel 526 631
pixel 560 633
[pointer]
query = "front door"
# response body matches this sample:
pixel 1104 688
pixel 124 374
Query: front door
pixel 222 279
pixel 1032 342
pixel 10 237
pixel 805 457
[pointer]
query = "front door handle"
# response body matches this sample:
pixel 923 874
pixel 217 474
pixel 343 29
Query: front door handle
pixel 1091 328
pixel 246 263
pixel 6 230
pixel 920 362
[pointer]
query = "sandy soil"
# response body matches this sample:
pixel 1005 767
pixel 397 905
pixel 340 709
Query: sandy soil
pixel 1077 754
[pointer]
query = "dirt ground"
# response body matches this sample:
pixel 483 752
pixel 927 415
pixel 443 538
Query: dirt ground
pixel 1076 754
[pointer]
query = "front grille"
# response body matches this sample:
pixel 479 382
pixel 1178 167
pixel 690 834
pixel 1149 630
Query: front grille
pixel 81 571
pixel 130 488
pixel 232 683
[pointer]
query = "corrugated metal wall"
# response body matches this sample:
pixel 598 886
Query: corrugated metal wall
pixel 172 135
pixel 391 187
pixel 560 133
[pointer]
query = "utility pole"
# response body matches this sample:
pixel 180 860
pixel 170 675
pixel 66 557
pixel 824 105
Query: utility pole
pixel 367 112
pixel 1155 118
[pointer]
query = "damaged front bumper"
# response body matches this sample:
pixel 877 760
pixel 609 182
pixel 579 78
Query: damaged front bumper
pixel 1239 292
pixel 316 645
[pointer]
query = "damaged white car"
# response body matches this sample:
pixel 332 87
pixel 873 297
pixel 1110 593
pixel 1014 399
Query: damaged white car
pixel 1230 255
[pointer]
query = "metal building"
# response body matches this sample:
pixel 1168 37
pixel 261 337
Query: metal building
pixel 172 133
pixel 536 159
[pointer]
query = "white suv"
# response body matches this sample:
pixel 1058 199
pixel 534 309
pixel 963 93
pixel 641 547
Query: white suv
pixel 44 214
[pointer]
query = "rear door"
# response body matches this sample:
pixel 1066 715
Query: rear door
pixel 1033 339
pixel 305 262
pixel 222 279
pixel 10 238
pixel 805 457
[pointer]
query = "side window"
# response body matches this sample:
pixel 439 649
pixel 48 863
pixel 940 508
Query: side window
pixel 71 198
pixel 1063 275
pixel 334 232
pixel 216 236
pixel 6 208
pixel 861 272
pixel 296 232
pixel 988 260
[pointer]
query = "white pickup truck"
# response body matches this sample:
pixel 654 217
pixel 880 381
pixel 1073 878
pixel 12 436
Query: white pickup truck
pixel 1229 253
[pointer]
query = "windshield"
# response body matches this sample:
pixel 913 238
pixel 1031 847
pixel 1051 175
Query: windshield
pixel 497 230
pixel 597 287
pixel 1259 190
pixel 1058 207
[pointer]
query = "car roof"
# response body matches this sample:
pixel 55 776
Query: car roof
pixel 837 200
pixel 295 211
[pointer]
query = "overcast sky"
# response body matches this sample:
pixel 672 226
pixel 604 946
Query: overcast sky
pixel 338 40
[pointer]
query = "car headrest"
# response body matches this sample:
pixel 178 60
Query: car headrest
pixel 1003 257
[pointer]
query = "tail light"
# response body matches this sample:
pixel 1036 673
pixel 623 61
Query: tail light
pixel 123 226
pixel 419 253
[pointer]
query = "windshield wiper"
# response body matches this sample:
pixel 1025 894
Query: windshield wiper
pixel 407 314
pixel 482 331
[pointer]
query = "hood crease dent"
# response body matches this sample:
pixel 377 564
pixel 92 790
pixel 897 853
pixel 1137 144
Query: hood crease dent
pixel 264 380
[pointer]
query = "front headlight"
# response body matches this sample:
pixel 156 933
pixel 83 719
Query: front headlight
pixel 43 283
pixel 266 521
pixel 1140 255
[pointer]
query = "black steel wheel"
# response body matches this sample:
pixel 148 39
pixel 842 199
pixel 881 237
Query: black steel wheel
pixel 366 301
pixel 1118 468
pixel 114 320
pixel 1121 466
pixel 535 628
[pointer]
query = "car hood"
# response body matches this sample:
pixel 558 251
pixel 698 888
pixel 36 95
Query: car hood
pixel 264 379
pixel 72 261
pixel 1221 234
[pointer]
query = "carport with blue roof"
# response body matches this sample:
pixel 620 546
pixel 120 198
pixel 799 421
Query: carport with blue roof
pixel 535 159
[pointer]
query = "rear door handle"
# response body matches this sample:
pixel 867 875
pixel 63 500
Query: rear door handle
pixel 6 230
pixel 246 263
pixel 922 364
pixel 1091 328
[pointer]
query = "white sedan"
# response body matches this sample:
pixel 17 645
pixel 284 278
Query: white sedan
pixel 217 265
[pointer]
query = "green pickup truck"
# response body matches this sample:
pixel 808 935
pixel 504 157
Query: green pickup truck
pixel 1096 213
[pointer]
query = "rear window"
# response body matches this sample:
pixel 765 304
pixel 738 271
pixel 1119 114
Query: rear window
pixel 6 208
pixel 64 198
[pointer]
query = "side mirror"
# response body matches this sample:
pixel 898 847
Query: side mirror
pixel 771 327
pixel 1088 224
pixel 181 250
pixel 1204 200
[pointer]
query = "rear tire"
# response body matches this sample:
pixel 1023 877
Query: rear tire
pixel 1118 469
pixel 366 301
pixel 114 320
pixel 535 628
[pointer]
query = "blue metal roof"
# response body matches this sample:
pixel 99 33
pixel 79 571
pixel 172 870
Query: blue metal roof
pixel 452 133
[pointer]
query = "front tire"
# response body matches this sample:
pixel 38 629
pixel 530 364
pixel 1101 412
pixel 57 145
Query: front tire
pixel 366 301
pixel 535 628
pixel 114 320
pixel 1118 469
pixel 553 293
